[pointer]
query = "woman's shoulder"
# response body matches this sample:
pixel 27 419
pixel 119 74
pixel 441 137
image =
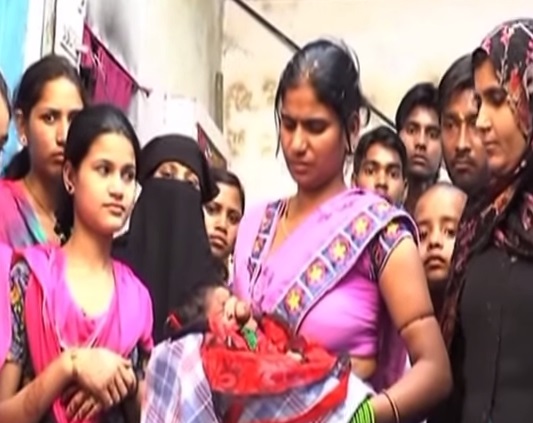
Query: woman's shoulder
pixel 254 215
pixel 10 190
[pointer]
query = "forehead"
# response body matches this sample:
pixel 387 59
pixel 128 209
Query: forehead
pixel 219 294
pixel 112 147
pixel 301 102
pixel 461 103
pixel 422 116
pixel 228 196
pixel 177 166
pixel 60 93
pixel 381 154
pixel 485 76
pixel 438 203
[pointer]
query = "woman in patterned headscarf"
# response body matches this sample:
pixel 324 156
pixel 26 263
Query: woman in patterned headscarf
pixel 488 316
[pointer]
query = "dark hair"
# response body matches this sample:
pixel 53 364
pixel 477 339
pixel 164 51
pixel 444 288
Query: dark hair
pixel 384 136
pixel 29 92
pixel 458 77
pixel 4 94
pixel 332 69
pixel 85 128
pixel 193 308
pixel 423 95
pixel 223 176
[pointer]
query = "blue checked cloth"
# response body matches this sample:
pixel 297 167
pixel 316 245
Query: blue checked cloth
pixel 177 391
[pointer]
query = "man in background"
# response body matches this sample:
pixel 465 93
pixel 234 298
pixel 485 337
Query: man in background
pixel 380 164
pixel 464 155
pixel 417 123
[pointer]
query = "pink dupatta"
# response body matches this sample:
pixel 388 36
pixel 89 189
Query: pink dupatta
pixel 5 306
pixel 54 322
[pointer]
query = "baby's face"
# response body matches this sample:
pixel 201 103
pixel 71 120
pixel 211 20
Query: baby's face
pixel 221 302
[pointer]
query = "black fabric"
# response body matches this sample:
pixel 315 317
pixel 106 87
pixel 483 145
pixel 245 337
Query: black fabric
pixel 167 246
pixel 181 149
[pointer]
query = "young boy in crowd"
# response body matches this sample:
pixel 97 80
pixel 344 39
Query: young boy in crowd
pixel 437 214
pixel 380 164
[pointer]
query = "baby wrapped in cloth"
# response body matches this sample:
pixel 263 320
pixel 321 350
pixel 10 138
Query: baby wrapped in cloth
pixel 237 369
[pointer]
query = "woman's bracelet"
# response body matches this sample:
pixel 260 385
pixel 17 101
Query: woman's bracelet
pixel 364 414
pixel 393 405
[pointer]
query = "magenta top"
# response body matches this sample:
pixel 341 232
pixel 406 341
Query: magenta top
pixel 323 278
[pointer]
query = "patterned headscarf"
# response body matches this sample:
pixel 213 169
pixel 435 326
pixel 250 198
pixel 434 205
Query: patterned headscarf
pixel 505 215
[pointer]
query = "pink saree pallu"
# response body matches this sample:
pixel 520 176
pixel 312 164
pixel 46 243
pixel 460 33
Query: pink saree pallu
pixel 55 323
pixel 5 306
pixel 320 281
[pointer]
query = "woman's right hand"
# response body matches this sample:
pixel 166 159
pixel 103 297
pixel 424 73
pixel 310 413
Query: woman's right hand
pixel 103 373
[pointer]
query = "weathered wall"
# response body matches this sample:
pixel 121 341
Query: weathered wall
pixel 168 45
pixel 398 43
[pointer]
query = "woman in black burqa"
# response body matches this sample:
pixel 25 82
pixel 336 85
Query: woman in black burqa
pixel 167 244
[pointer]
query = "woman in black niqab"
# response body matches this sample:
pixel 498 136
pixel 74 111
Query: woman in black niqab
pixel 167 244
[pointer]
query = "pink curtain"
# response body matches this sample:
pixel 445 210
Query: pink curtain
pixel 113 84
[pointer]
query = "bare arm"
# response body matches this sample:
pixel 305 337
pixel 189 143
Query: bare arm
pixel 404 288
pixel 31 403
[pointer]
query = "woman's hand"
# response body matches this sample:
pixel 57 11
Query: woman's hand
pixel 80 405
pixel 103 374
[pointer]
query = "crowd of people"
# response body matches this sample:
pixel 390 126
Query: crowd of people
pixel 135 287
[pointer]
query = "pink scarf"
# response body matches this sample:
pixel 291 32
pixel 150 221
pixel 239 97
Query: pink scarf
pixel 5 306
pixel 54 322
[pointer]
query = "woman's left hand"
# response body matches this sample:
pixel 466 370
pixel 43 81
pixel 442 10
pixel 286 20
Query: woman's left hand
pixel 81 405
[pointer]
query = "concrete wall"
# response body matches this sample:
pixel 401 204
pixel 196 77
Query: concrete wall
pixel 398 43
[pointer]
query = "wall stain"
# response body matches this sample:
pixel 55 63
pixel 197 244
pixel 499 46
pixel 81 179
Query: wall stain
pixel 269 91
pixel 236 140
pixel 239 96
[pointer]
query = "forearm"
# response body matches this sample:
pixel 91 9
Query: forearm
pixel 31 403
pixel 415 394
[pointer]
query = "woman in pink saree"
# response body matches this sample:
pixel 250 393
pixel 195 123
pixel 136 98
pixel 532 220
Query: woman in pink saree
pixel 341 266
pixel 73 303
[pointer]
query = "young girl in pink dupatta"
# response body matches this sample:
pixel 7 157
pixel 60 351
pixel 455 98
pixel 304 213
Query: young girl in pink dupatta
pixel 341 266
pixel 50 93
pixel 74 298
